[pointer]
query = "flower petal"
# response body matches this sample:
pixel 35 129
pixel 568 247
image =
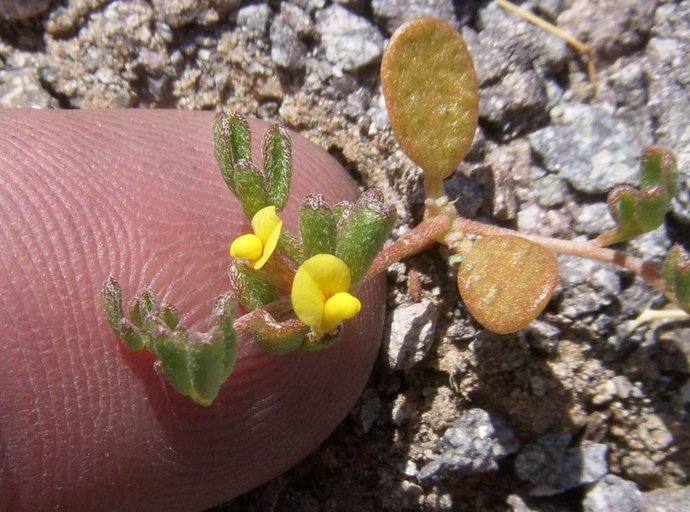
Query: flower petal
pixel 248 247
pixel 339 308
pixel 266 225
pixel 318 279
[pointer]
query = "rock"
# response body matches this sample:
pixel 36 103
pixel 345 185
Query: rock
pixel 668 59
pixel 550 191
pixel 394 14
pixel 593 219
pixel 367 411
pixel 20 10
pixel 309 6
pixel 20 88
pixel 591 149
pixel 411 333
pixel 288 31
pixel 506 43
pixel 254 17
pixel 666 500
pixel 553 467
pixel 178 13
pixel 99 66
pixel 514 105
pixel 630 86
pixel 509 165
pixel 533 219
pixel 347 40
pixel 613 494
pixel 652 246
pixel 474 444
pixel 610 26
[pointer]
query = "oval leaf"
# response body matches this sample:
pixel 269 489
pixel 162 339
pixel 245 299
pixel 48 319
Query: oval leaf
pixel 506 281
pixel 431 92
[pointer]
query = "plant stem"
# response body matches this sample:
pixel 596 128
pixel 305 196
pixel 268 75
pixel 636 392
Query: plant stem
pixel 276 308
pixel 650 271
pixel 422 236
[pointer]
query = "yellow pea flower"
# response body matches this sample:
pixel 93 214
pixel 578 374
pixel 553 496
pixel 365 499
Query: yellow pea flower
pixel 257 247
pixel 319 293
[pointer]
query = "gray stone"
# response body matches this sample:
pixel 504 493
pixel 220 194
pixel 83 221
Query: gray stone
pixel 288 30
pixel 178 13
pixel 20 88
pixel 394 14
pixel 348 41
pixel 506 43
pixel 668 59
pixel 411 333
pixel 612 27
pixel 652 246
pixel 19 10
pixel 309 6
pixel 533 219
pixel 593 219
pixel 367 411
pixel 550 191
pixel 554 467
pixel 666 500
pixel 515 104
pixel 254 17
pixel 629 85
pixel 591 149
pixel 474 444
pixel 613 494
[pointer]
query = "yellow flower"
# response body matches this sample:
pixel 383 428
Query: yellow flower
pixel 319 293
pixel 257 247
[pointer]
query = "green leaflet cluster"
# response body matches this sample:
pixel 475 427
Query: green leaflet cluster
pixel 637 211
pixel 196 364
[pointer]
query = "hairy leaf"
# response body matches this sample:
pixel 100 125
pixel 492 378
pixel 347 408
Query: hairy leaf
pixel 506 281
pixel 432 95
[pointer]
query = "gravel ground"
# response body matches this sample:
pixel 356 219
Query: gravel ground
pixel 574 413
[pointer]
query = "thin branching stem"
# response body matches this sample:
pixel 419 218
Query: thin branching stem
pixel 413 242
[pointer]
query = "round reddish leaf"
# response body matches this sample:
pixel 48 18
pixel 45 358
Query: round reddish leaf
pixel 506 281
pixel 431 92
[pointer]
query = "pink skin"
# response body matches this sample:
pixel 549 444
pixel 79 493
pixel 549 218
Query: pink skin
pixel 87 425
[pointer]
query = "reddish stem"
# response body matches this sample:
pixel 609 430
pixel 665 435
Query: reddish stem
pixel 413 242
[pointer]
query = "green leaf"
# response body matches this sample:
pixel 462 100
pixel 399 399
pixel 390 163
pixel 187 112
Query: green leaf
pixel 277 160
pixel 232 142
pixel 211 358
pixel 195 364
pixel 317 226
pixel 431 92
pixel 251 291
pixel 277 337
pixel 659 167
pixel 363 232
pixel 506 281
pixel 112 299
pixel 251 190
pixel 676 271
pixel 171 350
pixel 640 211
pixel 170 316
pixel 291 247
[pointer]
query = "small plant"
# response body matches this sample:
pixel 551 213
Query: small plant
pixel 299 288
